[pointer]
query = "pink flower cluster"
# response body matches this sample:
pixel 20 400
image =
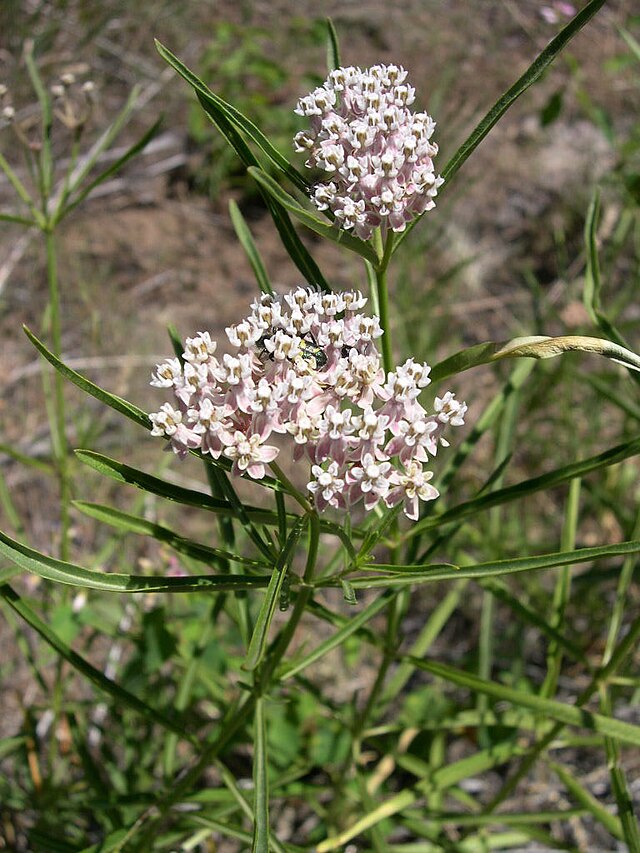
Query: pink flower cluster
pixel 375 150
pixel 306 366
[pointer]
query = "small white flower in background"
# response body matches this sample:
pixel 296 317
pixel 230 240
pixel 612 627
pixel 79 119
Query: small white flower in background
pixel 376 152
pixel 306 367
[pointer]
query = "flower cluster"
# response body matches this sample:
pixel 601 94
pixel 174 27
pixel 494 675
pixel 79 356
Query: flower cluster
pixel 375 150
pixel 306 366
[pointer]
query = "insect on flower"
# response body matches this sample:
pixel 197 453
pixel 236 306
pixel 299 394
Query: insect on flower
pixel 313 354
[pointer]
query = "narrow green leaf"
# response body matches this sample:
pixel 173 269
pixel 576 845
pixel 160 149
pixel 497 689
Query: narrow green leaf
pixel 176 343
pixel 134 477
pixel 260 841
pixel 246 241
pixel 122 406
pixel 339 637
pixel 500 591
pixel 113 169
pixel 290 240
pixel 86 669
pixel 528 487
pixel 45 157
pixel 57 570
pixel 591 293
pixel 407 575
pixel 632 44
pixel 587 800
pixel 440 779
pixel 258 643
pixel 24 459
pixel 8 572
pixel 316 223
pixel 296 249
pixel 567 714
pixel 19 220
pixel 533 73
pixel 535 346
pixel 592 280
pixel 137 524
pixel 104 142
pixel 333 47
pixel 216 107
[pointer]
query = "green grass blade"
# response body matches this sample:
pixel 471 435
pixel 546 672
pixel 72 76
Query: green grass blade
pixel 260 841
pixel 59 571
pixel 500 591
pixel 428 634
pixel 567 714
pixel 85 668
pixel 533 73
pixel 246 241
pixel 350 627
pixel 132 476
pixel 217 108
pixel 587 800
pixel 562 591
pixel 136 524
pixel 440 779
pixel 316 223
pixel 118 403
pixel 258 643
pixel 528 487
pixel 592 284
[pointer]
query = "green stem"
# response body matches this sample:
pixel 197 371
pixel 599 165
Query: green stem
pixel 382 296
pixel 239 712
pixel 59 437
pixel 290 488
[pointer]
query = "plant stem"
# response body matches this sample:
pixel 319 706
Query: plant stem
pixel 59 437
pixel 382 296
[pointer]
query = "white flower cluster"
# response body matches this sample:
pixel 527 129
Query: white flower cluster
pixel 306 366
pixel 376 151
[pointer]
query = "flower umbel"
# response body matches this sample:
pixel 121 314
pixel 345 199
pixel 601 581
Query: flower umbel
pixel 306 367
pixel 376 152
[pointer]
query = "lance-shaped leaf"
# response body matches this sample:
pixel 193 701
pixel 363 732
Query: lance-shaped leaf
pixel 406 575
pixel 112 400
pixel 560 711
pixel 533 73
pixel 246 241
pixel 316 223
pixel 217 108
pixel 536 346
pixel 136 524
pixel 528 487
pixel 260 634
pixel 83 666
pixel 148 483
pixel 56 570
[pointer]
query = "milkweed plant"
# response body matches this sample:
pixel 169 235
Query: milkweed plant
pixel 327 456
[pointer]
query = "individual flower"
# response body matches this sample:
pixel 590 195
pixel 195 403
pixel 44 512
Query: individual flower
pixel 410 484
pixel 377 153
